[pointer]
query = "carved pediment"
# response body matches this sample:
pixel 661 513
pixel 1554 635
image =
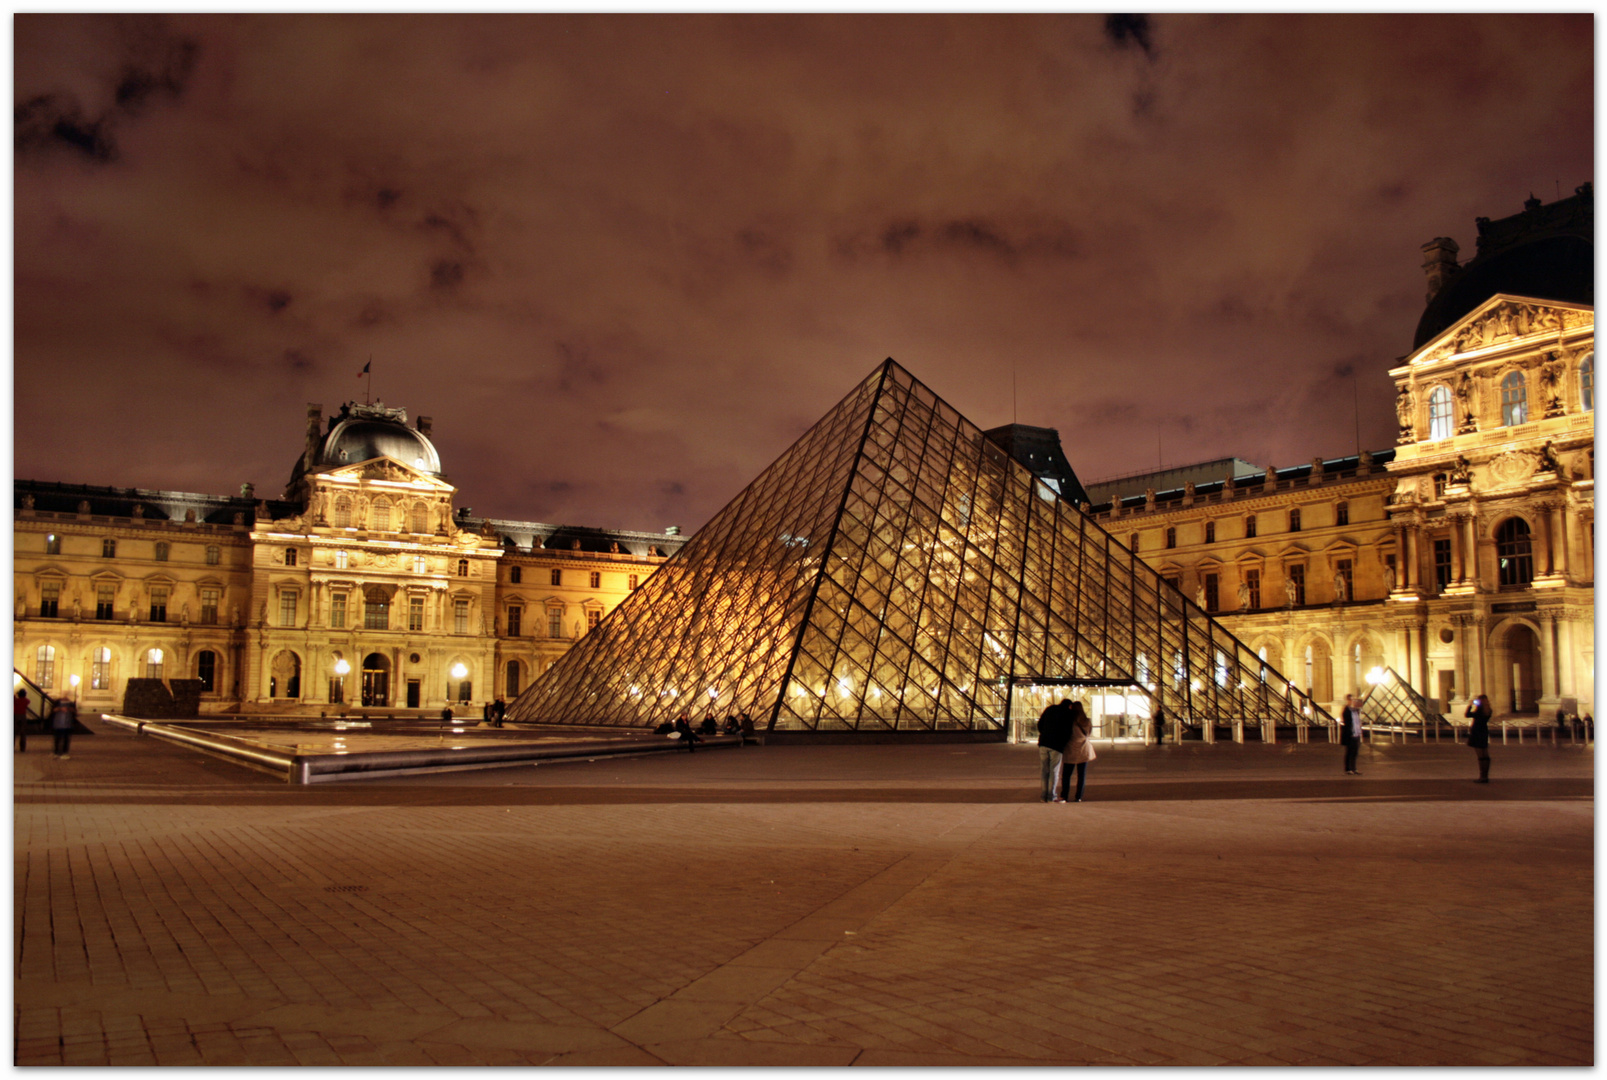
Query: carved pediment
pixel 385 468
pixel 1501 319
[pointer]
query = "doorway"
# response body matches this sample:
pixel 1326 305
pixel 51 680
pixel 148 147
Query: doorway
pixel 1521 663
pixel 376 681
pixel 1118 711
pixel 412 693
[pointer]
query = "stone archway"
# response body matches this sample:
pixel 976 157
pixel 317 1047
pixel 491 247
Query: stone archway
pixel 284 678
pixel 1517 674
pixel 376 681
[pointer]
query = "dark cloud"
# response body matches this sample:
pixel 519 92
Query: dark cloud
pixel 1129 30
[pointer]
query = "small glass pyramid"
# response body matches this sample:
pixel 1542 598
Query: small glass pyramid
pixel 1392 703
pixel 895 570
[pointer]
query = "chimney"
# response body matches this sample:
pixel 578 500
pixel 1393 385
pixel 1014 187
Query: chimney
pixel 423 425
pixel 1439 263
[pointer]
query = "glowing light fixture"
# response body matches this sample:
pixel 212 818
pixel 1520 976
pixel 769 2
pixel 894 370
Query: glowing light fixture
pixel 459 670
pixel 342 666
pixel 1375 676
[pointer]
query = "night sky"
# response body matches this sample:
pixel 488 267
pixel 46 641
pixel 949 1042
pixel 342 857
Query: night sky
pixel 624 261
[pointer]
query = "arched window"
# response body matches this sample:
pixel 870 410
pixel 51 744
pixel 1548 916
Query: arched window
pixel 382 515
pixel 343 512
pixel 1587 383
pixel 1440 424
pixel 1514 399
pixel 418 521
pixel 100 668
pixel 45 667
pixel 1513 553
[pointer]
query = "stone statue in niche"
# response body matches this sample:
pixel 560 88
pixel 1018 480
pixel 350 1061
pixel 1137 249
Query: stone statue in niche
pixel 1199 596
pixel 1548 458
pixel 1244 596
pixel 27 501
pixel 1404 408
pixel 1389 577
pixel 1340 592
pixel 1461 472
pixel 1149 498
pixel 138 511
pixel 83 506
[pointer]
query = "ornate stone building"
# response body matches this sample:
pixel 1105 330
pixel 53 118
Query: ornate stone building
pixel 363 588
pixel 1464 557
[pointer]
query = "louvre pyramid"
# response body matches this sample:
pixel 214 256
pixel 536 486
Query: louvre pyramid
pixel 896 570
pixel 1392 702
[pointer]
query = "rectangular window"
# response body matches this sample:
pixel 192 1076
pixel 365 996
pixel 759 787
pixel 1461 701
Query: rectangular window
pixel 206 669
pixel 460 616
pixel 596 580
pixel 631 581
pixel 376 612
pixel 593 617
pixel 415 612
pixel 1211 594
pixel 1252 580
pixel 1171 538
pixel 105 600
pixel 557 577
pixel 159 605
pixel 337 611
pixel 214 555
pixel 100 669
pixel 52 544
pixel 1442 563
pixel 515 616
pixel 49 599
pixel 1343 569
pixel 1294 521
pixel 287 607
pixel 1249 526
pixel 516 575
pixel 161 552
pixel 1440 480
pixel 420 565
pixel 290 556
pixel 1342 514
pixel 1210 532
pixel 1297 584
pixel 463 568
pixel 341 559
pixel 108 548
pixel 209 607
pixel 555 622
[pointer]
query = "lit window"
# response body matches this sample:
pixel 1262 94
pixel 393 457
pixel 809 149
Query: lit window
pixel 341 560
pixel 159 605
pixel 108 548
pixel 460 616
pixel 419 521
pixel 515 575
pixel 463 568
pixel 382 515
pixel 343 512
pixel 49 599
pixel 161 551
pixel 515 617
pixel 337 611
pixel 1514 399
pixel 1342 514
pixel 1440 423
pixel 1249 526
pixel 421 565
pixel 287 607
pixel 290 556
pixel 557 577
pixel 596 579
pixel 100 669
pixel 1513 553
pixel 52 544
pixel 45 667
pixel 1587 383
pixel 209 607
pixel 415 612
pixel 153 664
pixel 1294 521
pixel 1210 532
pixel 206 669
pixel 214 555
pixel 105 599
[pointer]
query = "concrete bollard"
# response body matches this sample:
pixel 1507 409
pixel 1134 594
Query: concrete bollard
pixel 1238 731
pixel 1301 735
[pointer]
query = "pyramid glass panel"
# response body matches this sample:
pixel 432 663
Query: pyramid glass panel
pixel 896 570
pixel 1392 704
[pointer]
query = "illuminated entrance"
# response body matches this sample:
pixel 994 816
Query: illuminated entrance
pixel 376 681
pixel 1120 711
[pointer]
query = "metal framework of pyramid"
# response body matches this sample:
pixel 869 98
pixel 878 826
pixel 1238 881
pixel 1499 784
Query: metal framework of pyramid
pixel 1393 703
pixel 896 570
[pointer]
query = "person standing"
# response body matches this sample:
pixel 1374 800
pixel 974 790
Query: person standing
pixel 1350 733
pixel 498 711
pixel 19 716
pixel 1079 752
pixel 1054 729
pixel 1479 734
pixel 61 726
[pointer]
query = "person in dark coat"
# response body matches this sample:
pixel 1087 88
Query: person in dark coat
pixel 1079 752
pixel 1479 734
pixel 499 709
pixel 19 718
pixel 61 726
pixel 688 736
pixel 1054 728
pixel 1350 733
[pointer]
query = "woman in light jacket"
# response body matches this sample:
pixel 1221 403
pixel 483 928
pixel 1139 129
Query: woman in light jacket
pixel 1079 751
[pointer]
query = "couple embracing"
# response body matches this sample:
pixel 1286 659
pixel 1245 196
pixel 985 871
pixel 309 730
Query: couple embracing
pixel 1063 742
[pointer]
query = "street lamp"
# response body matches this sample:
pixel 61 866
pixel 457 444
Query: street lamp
pixel 337 685
pixel 1375 676
pixel 460 671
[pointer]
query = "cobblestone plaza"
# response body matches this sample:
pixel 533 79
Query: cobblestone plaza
pixel 810 905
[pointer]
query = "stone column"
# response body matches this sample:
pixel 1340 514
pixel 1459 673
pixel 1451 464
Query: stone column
pixel 1543 518
pixel 1405 579
pixel 1548 659
pixel 1559 539
pixel 1412 554
pixel 1458 551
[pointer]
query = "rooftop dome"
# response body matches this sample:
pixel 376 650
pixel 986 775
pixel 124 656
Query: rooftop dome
pixel 1548 252
pixel 364 432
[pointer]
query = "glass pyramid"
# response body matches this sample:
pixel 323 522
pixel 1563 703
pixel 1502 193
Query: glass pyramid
pixel 1392 703
pixel 896 570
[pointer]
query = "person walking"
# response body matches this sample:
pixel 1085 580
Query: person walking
pixel 19 717
pixel 1079 752
pixel 61 726
pixel 1350 733
pixel 1479 734
pixel 1054 729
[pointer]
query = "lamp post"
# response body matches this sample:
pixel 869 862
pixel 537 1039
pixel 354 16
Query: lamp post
pixel 459 672
pixel 337 685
